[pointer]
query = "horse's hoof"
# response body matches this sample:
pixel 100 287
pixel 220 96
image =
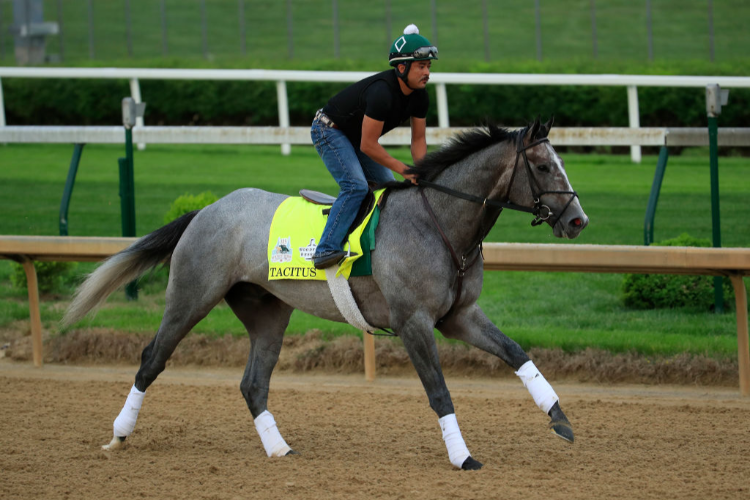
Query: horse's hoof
pixel 117 443
pixel 471 464
pixel 562 429
pixel 291 452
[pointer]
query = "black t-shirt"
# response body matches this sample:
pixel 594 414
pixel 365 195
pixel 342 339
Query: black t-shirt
pixel 379 97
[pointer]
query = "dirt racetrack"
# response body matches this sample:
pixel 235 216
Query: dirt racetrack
pixel 195 439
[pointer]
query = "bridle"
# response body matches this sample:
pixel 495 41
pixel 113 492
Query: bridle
pixel 541 212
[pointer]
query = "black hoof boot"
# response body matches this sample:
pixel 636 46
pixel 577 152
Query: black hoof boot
pixel 471 464
pixel 560 426
pixel 291 452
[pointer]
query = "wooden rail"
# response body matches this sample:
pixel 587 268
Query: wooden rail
pixel 731 262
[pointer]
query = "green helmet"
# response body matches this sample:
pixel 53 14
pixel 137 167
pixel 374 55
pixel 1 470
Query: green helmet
pixel 411 46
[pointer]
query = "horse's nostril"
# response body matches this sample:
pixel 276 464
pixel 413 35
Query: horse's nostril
pixel 576 222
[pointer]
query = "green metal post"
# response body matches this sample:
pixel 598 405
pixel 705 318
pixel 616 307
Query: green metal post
pixel 127 200
pixel 713 142
pixel 648 224
pixel 68 191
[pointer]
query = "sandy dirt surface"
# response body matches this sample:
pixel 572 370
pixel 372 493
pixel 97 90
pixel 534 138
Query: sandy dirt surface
pixel 195 439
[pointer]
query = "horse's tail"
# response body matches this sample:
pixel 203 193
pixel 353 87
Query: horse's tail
pixel 123 267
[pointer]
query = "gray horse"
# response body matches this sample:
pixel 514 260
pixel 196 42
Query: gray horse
pixel 426 273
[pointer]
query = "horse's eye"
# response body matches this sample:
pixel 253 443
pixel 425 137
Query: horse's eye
pixel 543 168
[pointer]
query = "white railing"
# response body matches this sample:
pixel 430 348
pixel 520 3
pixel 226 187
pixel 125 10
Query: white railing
pixel 440 80
pixel 560 136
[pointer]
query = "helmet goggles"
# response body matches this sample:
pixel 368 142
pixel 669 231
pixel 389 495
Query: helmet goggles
pixel 421 53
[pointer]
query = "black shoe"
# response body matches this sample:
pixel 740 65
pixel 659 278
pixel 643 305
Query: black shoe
pixel 330 258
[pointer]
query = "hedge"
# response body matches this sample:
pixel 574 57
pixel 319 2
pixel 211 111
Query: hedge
pixel 667 291
pixel 187 203
pixel 97 102
pixel 51 276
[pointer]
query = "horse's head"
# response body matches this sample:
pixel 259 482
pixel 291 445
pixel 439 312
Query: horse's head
pixel 539 179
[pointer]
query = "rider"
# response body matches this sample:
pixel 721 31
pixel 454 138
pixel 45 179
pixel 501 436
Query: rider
pixel 346 131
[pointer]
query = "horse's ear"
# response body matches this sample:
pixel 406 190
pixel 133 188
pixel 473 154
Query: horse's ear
pixel 531 131
pixel 544 132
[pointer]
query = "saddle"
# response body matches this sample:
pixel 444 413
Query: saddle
pixel 318 198
pixel 295 230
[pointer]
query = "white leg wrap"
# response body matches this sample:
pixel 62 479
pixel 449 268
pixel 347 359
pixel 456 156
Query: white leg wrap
pixel 543 394
pixel 269 435
pixel 125 421
pixel 457 450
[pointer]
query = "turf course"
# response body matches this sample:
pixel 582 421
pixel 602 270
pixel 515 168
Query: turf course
pixel 571 311
pixel 679 28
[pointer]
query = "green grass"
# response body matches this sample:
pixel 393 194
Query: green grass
pixel 570 311
pixel 614 192
pixel 680 29
pixel 578 311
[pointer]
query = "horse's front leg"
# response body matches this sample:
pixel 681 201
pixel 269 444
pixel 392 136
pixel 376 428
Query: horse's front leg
pixel 473 327
pixel 416 333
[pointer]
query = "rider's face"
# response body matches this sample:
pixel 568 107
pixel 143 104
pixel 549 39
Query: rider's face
pixel 419 74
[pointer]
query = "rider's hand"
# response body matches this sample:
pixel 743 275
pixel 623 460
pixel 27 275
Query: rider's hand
pixel 409 177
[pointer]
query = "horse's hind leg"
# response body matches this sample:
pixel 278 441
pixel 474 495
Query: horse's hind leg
pixel 473 327
pixel 265 317
pixel 188 302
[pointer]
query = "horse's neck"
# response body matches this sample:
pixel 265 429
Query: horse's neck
pixel 484 174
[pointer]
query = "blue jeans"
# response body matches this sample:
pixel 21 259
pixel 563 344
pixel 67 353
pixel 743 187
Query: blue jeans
pixel 351 169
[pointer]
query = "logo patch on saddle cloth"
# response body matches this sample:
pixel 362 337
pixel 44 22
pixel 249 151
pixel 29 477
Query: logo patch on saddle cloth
pixel 295 231
pixel 282 252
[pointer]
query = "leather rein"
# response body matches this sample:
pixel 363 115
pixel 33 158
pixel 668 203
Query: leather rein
pixel 541 212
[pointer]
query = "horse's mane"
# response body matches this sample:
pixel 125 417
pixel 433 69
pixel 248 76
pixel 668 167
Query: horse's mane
pixel 459 147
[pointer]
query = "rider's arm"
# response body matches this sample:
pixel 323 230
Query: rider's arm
pixel 371 130
pixel 418 139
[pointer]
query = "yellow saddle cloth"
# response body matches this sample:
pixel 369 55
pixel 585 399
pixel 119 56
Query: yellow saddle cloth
pixel 295 232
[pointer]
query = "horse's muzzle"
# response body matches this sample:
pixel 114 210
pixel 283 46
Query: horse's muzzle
pixel 570 227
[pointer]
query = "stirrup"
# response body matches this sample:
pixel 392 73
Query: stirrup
pixel 336 257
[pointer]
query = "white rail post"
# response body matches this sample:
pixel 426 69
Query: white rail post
pixel 135 93
pixel 442 98
pixel 283 102
pixel 2 105
pixel 634 120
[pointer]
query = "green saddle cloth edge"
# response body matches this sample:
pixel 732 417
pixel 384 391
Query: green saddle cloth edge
pixel 363 265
